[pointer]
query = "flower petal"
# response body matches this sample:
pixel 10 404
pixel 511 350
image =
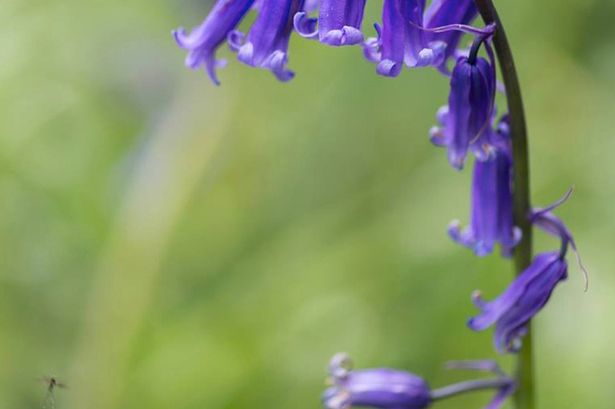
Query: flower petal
pixel 204 40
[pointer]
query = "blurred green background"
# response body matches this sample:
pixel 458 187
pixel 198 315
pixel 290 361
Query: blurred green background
pixel 168 244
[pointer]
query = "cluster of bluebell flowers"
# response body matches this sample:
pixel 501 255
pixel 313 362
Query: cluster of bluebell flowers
pixel 412 34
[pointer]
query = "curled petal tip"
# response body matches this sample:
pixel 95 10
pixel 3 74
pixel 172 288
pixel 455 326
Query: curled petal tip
pixel 305 26
pixel 457 163
pixel 436 136
pixel 346 36
pixel 472 325
pixel 454 230
pixel 465 236
pixel 177 34
pixel 352 35
pixel 335 398
pixel 431 56
pixel 284 76
pixel 378 29
pixel 277 64
pixel 245 54
pixel 389 68
pixel 235 40
pixel 340 366
pixel 370 50
pixel 456 158
pixel 454 225
pixel 442 114
pixel 210 66
pixel 182 39
pixel 482 249
pixel 477 298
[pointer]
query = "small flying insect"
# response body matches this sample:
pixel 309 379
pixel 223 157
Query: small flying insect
pixel 52 384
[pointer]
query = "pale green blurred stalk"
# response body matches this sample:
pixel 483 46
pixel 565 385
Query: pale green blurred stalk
pixel 168 171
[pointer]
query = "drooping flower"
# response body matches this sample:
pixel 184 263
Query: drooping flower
pixel 409 34
pixel 416 37
pixel 204 40
pixel 386 388
pixel 400 40
pixel 378 388
pixel 466 120
pixel 266 45
pixel 338 23
pixel 443 13
pixel 531 290
pixel 523 299
pixel 491 218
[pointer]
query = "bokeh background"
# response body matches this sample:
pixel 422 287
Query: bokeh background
pixel 168 244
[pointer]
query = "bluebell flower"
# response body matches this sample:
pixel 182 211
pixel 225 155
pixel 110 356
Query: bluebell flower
pixel 266 45
pixel 378 388
pixel 528 294
pixel 400 39
pixel 491 217
pixel 466 120
pixel 204 40
pixel 410 35
pixel 386 388
pixel 524 298
pixel 443 13
pixel 339 22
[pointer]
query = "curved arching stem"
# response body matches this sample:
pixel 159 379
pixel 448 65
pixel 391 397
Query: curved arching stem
pixel 524 397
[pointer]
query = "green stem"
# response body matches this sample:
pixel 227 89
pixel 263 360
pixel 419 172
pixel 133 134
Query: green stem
pixel 524 397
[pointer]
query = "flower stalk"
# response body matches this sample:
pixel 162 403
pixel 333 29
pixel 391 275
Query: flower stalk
pixel 469 386
pixel 524 396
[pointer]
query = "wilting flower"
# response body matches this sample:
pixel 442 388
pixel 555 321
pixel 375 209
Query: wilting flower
pixel 527 295
pixel 338 23
pixel 379 388
pixel 205 39
pixel 266 45
pixel 491 218
pixel 466 119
